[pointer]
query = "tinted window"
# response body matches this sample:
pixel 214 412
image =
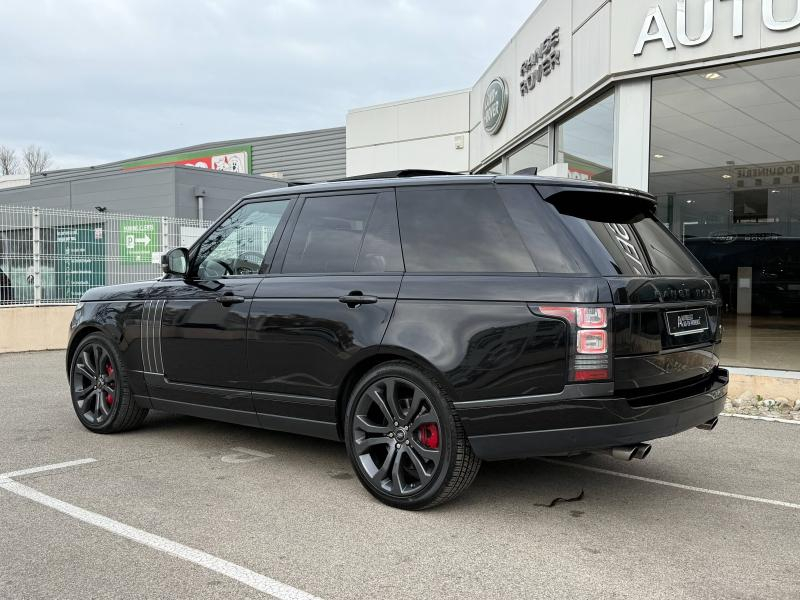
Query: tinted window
pixel 468 229
pixel 625 240
pixel 541 232
pixel 238 245
pixel 329 234
pixel 667 255
pixel 380 251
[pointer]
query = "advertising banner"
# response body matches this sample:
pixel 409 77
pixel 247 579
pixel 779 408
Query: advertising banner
pixel 232 159
pixel 80 260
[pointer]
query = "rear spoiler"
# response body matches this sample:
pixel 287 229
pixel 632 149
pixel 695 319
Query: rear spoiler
pixel 605 204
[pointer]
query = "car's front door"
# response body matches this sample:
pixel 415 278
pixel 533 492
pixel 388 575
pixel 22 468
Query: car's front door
pixel 323 307
pixel 195 328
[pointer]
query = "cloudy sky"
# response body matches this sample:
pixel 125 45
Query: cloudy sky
pixel 99 80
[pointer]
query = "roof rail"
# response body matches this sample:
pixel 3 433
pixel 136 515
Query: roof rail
pixel 398 174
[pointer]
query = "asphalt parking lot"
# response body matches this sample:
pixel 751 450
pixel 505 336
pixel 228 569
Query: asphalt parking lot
pixel 287 508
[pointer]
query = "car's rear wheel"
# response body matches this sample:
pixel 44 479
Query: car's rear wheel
pixel 404 440
pixel 100 390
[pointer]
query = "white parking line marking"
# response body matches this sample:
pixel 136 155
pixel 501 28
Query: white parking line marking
pixel 759 418
pixel 681 486
pixel 223 567
pixel 63 465
pixel 245 455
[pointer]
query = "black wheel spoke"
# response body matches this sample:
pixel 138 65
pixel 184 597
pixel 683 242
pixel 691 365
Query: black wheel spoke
pixel 86 368
pixel 414 405
pixel 423 473
pixel 105 409
pixel 427 417
pixel 83 393
pixel 365 444
pixel 397 474
pixel 364 424
pixel 392 400
pixel 426 453
pixel 380 402
pixel 381 473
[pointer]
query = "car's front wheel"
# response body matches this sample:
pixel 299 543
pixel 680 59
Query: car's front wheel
pixel 406 445
pixel 100 390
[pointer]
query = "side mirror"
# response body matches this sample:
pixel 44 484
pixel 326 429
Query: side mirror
pixel 175 262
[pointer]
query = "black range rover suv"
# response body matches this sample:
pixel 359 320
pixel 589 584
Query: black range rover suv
pixel 430 322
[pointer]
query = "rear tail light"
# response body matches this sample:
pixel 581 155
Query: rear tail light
pixel 589 340
pixel 592 341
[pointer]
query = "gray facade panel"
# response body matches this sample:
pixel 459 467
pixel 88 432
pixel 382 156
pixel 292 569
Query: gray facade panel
pixel 162 192
pixel 54 195
pixel 305 156
pixel 221 191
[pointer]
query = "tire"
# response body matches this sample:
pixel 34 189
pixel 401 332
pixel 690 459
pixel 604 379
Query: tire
pixel 102 400
pixel 424 460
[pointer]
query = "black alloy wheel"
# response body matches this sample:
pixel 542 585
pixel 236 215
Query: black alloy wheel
pixel 396 436
pixel 406 447
pixel 99 386
pixel 94 383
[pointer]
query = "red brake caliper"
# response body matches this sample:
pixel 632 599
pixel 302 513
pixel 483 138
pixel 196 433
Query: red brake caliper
pixel 429 435
pixel 110 373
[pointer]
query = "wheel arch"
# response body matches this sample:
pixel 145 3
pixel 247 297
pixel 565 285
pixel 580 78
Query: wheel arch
pixel 384 355
pixel 81 334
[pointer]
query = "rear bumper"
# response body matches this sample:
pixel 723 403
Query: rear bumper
pixel 598 423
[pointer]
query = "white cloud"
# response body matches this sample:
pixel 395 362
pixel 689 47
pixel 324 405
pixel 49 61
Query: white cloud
pixel 113 79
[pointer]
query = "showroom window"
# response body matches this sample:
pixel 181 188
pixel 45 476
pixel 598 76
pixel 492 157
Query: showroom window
pixel 725 168
pixel 585 141
pixel 496 168
pixel 534 155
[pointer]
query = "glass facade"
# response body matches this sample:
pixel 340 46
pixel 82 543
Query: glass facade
pixel 585 141
pixel 536 154
pixel 725 167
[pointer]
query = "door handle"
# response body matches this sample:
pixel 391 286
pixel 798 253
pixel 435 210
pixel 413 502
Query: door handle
pixel 229 299
pixel 354 299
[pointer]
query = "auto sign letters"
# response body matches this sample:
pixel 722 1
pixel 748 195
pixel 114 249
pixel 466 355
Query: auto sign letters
pixel 655 26
pixel 542 61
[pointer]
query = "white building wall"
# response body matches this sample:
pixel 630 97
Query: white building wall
pixel 9 181
pixel 598 40
pixel 423 133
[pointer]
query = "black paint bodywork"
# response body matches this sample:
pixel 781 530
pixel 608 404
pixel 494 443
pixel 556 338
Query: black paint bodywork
pixel 287 355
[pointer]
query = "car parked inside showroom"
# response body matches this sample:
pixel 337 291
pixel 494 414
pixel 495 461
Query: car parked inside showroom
pixel 429 321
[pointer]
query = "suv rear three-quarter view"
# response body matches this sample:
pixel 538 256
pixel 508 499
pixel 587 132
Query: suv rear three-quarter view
pixel 429 322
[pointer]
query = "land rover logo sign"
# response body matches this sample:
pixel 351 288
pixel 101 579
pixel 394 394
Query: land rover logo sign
pixel 495 105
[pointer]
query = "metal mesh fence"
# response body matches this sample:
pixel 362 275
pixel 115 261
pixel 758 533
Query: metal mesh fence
pixel 52 256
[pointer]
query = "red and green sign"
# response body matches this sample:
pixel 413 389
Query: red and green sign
pixel 233 159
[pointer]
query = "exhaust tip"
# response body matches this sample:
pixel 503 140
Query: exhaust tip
pixel 709 425
pixel 642 450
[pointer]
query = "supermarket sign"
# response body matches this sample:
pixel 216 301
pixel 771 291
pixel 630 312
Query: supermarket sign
pixel 233 159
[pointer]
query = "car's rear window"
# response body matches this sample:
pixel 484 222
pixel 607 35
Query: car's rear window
pixel 622 237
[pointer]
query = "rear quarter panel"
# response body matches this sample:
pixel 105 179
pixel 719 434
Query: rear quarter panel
pixel 479 333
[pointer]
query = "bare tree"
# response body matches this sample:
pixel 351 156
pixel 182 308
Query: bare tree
pixel 9 163
pixel 36 160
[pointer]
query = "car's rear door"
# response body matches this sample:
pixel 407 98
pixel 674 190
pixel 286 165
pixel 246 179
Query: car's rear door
pixel 323 307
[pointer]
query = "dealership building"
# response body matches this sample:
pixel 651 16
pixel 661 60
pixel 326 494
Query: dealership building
pixel 697 101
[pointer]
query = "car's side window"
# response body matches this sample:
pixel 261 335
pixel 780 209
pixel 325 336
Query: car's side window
pixel 381 251
pixel 459 230
pixel 329 234
pixel 238 245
